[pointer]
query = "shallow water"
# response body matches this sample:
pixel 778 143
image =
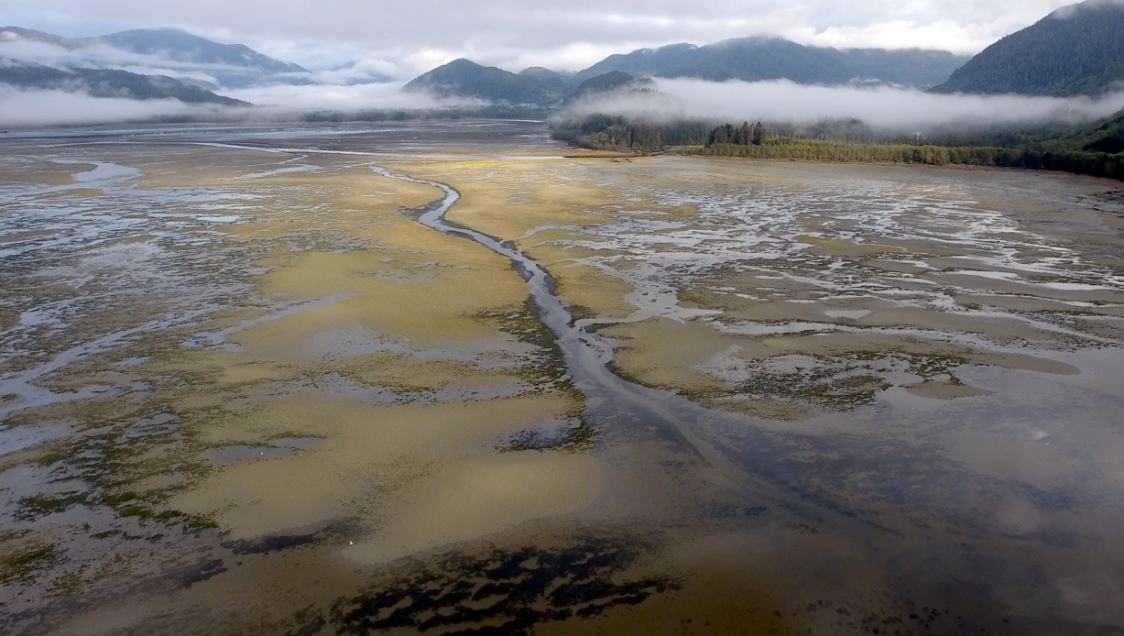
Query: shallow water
pixel 846 398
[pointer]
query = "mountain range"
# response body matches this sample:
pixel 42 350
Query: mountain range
pixel 1077 50
pixel 184 47
pixel 761 58
pixel 97 82
pixel 747 59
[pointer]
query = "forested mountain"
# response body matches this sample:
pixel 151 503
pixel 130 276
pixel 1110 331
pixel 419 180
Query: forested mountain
pixel 604 83
pixel 758 58
pixel 642 61
pixel 531 87
pixel 463 78
pixel 547 77
pixel 1076 50
pixel 749 59
pixel 1106 136
pixel 108 83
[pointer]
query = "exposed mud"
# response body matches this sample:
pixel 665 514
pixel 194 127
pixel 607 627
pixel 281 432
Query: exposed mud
pixel 439 378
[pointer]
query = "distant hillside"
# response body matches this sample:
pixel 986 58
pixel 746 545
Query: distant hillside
pixel 537 87
pixel 1105 136
pixel 32 35
pixel 462 78
pixel 547 77
pixel 610 82
pixel 641 61
pixel 1076 50
pixel 182 46
pixel 755 59
pixel 603 83
pixel 161 50
pixel 108 83
pixel 749 59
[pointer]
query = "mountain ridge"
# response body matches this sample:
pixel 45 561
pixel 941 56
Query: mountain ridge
pixel 1076 50
pixel 747 59
pixel 761 58
pixel 164 50
pixel 108 83
pixel 183 46
pixel 465 78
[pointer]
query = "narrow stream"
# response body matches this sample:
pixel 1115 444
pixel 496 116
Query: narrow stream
pixel 585 354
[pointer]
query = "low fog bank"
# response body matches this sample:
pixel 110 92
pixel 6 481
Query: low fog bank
pixel 893 110
pixel 384 96
pixel 883 109
pixel 366 69
pixel 25 108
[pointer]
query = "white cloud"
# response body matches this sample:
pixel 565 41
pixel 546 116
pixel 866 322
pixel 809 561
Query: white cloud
pixel 884 107
pixel 384 96
pixel 27 108
pixel 902 34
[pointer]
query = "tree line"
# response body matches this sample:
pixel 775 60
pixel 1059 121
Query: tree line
pixel 755 142
pixel 1099 164
pixel 604 132
pixel 744 135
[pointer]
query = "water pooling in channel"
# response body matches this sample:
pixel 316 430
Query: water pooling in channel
pixel 80 265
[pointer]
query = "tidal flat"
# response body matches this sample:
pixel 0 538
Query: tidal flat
pixel 454 377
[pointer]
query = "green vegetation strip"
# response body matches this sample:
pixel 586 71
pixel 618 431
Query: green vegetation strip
pixel 1096 150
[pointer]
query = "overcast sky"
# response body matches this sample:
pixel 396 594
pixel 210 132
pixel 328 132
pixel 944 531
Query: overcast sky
pixel 404 37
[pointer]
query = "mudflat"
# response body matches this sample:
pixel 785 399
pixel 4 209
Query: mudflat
pixel 454 376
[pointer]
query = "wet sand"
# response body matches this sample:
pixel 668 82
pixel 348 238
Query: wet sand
pixel 246 391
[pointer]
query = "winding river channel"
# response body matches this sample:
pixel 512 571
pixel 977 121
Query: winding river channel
pixel 587 356
pixel 610 400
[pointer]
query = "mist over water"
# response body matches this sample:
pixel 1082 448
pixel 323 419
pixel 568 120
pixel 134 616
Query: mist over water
pixel 25 108
pixel 382 96
pixel 886 107
pixel 53 107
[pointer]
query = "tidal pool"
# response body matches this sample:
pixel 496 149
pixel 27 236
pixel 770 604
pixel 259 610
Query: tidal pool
pixel 454 377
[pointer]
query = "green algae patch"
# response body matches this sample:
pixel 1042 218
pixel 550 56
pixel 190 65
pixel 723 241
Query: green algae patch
pixel 25 564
